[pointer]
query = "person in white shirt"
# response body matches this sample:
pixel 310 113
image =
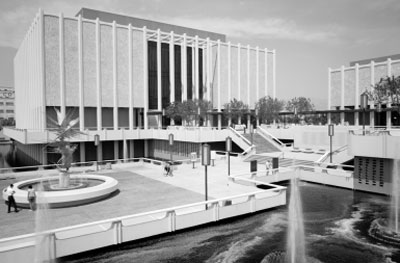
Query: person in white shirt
pixel 11 201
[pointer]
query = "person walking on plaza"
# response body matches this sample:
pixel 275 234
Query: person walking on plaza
pixel 11 201
pixel 32 198
pixel 268 166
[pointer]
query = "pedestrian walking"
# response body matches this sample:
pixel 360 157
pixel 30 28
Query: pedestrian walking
pixel 32 198
pixel 11 201
pixel 268 166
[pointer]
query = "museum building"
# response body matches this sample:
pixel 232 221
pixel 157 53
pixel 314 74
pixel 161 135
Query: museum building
pixel 118 73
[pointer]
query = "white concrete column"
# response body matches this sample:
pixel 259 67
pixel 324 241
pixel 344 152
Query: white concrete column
pixel 116 150
pixel 389 105
pixel 274 74
pixel 229 78
pixel 204 80
pixel 196 61
pixel 229 71
pixel 239 73
pixel 80 77
pixel 62 65
pixel 248 76
pixel 257 75
pixel 171 71
pixel 184 68
pixel 115 76
pixel 219 75
pixel 145 79
pixel 159 83
pixel 172 68
pixel 266 71
pixel 42 69
pixel 372 103
pixel 125 149
pixel 193 80
pixel 329 95
pixel 209 74
pixel 82 151
pixel 342 94
pixel 357 95
pixel 130 77
pixel 98 78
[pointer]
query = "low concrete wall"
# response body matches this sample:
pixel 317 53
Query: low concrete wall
pixel 76 239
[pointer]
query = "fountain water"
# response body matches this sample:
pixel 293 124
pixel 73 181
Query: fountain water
pixel 394 206
pixel 295 241
pixel 44 242
pixel 295 245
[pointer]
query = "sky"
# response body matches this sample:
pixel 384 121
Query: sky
pixel 309 36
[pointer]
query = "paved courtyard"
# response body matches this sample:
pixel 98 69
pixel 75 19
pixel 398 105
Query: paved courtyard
pixel 141 189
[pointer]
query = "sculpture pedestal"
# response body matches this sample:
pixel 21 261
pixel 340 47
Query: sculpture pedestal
pixel 63 180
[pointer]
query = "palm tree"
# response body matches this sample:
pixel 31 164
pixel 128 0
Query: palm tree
pixel 64 130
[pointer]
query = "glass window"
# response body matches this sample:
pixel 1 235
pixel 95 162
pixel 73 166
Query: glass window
pixel 10 111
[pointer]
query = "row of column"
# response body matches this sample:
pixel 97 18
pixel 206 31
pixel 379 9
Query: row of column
pixel 207 71
pixel 207 68
pixel 357 93
pixel 98 73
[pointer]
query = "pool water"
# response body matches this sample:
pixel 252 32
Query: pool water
pixel 336 230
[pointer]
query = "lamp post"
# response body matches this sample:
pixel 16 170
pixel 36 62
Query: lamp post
pixel 331 132
pixel 295 115
pixel 251 132
pixel 205 160
pixel 363 106
pixel 379 110
pixel 228 148
pixel 171 144
pixel 96 143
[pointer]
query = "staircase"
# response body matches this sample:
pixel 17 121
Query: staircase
pixel 262 145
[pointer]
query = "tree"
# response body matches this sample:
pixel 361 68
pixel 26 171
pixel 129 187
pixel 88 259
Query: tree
pixel 64 130
pixel 235 110
pixel 301 104
pixel 269 108
pixel 205 107
pixel 173 111
pixel 386 91
pixel 298 105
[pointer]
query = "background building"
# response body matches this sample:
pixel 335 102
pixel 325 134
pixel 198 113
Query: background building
pixel 7 96
pixel 346 84
pixel 118 73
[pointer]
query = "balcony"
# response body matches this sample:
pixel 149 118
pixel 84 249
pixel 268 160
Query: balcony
pixel 374 143
pixel 190 134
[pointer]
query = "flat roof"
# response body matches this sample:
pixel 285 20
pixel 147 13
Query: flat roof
pixel 377 59
pixel 153 25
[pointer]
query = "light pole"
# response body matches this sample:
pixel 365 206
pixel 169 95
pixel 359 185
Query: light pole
pixel 96 143
pixel 295 115
pixel 228 148
pixel 205 160
pixel 171 144
pixel 363 106
pixel 379 110
pixel 331 132
pixel 251 132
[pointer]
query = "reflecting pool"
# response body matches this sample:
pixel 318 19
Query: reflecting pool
pixel 336 224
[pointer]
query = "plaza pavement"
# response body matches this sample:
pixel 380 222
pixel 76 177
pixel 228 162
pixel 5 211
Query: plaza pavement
pixel 141 189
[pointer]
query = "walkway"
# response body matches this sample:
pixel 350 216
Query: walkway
pixel 141 189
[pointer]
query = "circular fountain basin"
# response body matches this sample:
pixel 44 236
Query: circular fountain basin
pixel 87 189
pixel 380 230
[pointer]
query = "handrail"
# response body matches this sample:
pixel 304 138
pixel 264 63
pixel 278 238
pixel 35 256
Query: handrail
pixel 240 136
pixel 271 137
pixel 326 155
